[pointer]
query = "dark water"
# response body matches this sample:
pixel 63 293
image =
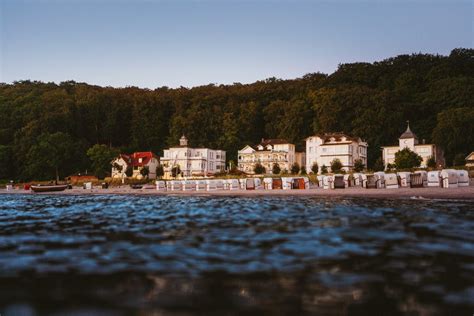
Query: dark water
pixel 112 255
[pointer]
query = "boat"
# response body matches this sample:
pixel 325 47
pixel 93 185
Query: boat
pixel 49 187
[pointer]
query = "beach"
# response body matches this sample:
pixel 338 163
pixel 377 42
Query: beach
pixel 460 193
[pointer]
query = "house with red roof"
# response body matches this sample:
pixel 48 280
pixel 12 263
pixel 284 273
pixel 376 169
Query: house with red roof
pixel 136 161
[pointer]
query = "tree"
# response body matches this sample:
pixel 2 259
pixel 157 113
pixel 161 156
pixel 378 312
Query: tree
pixel 5 162
pixel 160 172
pixel 431 163
pixel 336 166
pixel 145 171
pixel 52 154
pixel 276 168
pixel 259 168
pixel 101 157
pixel 459 160
pixel 175 171
pixel 378 165
pixel 454 131
pixel 358 165
pixel 369 100
pixel 315 168
pixel 295 168
pixel 324 169
pixel 129 171
pixel 407 159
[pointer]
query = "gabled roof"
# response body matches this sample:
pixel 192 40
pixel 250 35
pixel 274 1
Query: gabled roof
pixel 470 156
pixel 134 158
pixel 146 157
pixel 273 141
pixel 337 137
pixel 408 133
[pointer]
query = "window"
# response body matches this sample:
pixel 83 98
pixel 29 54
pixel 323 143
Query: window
pixel 310 149
pixel 140 160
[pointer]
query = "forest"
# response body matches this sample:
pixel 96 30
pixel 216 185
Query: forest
pixel 48 126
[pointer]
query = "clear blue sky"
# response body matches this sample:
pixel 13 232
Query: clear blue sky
pixel 173 43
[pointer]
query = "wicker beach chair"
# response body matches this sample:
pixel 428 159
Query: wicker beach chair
pixel 416 180
pixel 372 182
pixel 339 182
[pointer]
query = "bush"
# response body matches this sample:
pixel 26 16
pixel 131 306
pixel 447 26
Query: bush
pixel 160 172
pixel 276 168
pixel 358 165
pixel 295 168
pixel 336 166
pixel 324 169
pixel 129 171
pixel 259 168
pixel 459 160
pixel 378 165
pixel 303 170
pixel 175 171
pixel 315 168
pixel 431 163
pixel 390 167
pixel 407 159
pixel 145 171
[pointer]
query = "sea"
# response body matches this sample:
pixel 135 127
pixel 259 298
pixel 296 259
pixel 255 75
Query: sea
pixel 203 255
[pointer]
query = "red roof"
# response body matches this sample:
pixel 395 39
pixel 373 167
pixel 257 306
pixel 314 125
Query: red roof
pixel 134 159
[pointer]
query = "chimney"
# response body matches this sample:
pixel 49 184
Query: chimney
pixel 263 139
pixel 423 141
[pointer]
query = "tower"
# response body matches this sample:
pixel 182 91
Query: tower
pixel 183 141
pixel 408 139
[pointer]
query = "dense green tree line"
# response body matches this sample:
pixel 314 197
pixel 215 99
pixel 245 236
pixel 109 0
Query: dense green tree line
pixel 46 126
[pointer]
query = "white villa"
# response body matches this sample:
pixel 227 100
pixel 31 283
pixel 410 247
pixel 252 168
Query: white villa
pixel 267 153
pixel 193 161
pixel 470 160
pixel 410 140
pixel 137 161
pixel 324 148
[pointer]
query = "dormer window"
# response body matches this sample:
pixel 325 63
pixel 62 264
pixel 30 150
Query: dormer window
pixel 140 160
pixel 269 147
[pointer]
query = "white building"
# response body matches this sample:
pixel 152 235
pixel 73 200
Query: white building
pixel 470 160
pixel 267 153
pixel 410 140
pixel 193 161
pixel 137 161
pixel 323 149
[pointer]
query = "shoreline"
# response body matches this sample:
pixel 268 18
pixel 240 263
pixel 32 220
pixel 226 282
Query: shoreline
pixel 461 193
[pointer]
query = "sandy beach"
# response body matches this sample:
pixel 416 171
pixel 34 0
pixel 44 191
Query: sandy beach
pixel 461 193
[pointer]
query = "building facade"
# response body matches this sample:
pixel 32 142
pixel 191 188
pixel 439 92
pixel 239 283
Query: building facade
pixel 193 161
pixel 409 140
pixel 137 161
pixel 267 153
pixel 324 148
pixel 470 160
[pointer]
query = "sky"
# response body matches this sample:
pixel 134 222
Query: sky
pixel 151 44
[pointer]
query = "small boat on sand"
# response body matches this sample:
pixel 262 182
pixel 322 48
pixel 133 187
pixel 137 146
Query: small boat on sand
pixel 48 187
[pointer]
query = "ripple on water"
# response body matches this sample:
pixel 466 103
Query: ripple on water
pixel 304 252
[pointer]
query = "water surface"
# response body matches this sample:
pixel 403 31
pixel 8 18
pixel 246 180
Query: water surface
pixel 116 254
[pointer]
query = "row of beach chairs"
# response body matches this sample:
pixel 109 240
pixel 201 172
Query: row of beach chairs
pixel 284 183
pixel 446 178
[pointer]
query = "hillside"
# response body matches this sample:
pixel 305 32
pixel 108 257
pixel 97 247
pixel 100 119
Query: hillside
pixel 370 100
